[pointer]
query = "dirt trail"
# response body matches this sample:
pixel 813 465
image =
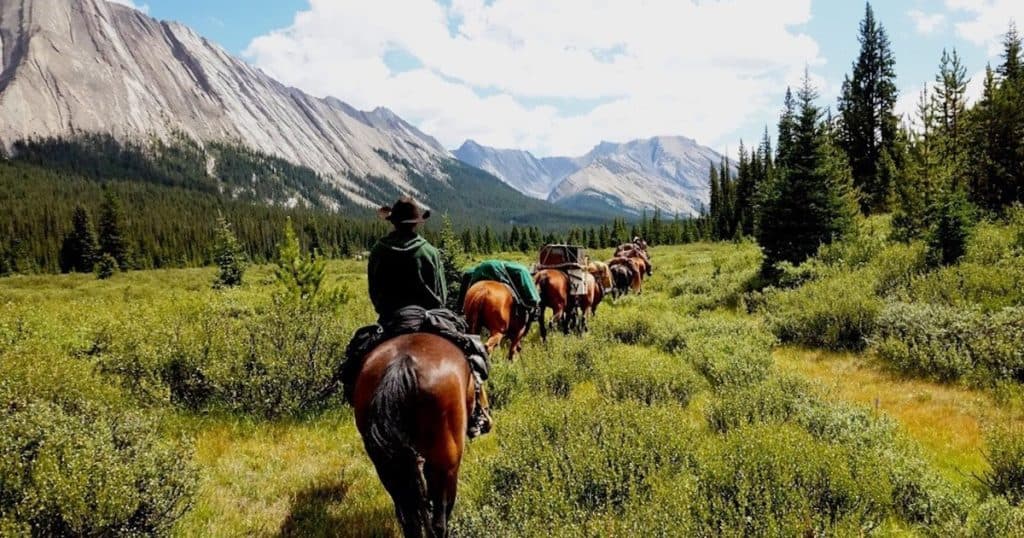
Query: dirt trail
pixel 947 420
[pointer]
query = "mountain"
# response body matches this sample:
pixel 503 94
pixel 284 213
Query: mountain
pixel 81 67
pixel 665 172
pixel 520 169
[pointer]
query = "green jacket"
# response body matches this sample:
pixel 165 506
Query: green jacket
pixel 405 271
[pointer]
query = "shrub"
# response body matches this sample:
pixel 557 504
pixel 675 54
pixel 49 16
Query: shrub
pixel 86 470
pixel 729 353
pixel 780 481
pixel 1005 455
pixel 775 400
pixel 646 376
pixel 970 285
pixel 948 344
pixel 896 266
pixel 995 518
pixel 834 313
pixel 283 359
pixel 564 465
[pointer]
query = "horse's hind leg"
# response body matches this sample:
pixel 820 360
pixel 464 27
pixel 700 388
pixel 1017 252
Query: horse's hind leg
pixel 443 485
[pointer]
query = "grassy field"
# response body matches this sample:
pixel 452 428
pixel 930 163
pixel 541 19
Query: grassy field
pixel 698 408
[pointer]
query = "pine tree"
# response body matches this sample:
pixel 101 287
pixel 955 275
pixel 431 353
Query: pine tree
pixel 812 202
pixel 112 240
pixel 866 107
pixel 79 251
pixel 954 221
pixel 995 161
pixel 787 128
pixel 949 107
pixel 716 199
pixel 228 255
pixel 453 259
pixel 301 276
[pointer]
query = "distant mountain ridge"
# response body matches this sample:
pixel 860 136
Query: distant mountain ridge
pixel 665 172
pixel 82 67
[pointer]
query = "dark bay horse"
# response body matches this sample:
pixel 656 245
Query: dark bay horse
pixel 412 400
pixel 492 305
pixel 553 286
pixel 635 270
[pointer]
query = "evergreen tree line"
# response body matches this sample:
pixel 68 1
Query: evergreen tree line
pixel 60 222
pixel 935 172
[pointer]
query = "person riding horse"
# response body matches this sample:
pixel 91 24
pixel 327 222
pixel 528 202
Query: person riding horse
pixel 408 291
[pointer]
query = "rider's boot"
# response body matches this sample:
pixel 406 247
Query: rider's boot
pixel 480 422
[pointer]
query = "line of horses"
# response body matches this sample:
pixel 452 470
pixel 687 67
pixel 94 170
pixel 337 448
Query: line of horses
pixel 415 393
pixel 492 306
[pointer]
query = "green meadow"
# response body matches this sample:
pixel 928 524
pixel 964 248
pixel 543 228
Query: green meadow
pixel 865 394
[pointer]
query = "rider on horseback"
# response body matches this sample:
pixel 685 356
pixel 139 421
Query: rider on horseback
pixel 408 291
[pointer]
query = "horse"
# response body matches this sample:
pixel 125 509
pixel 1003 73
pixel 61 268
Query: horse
pixel 601 273
pixel 492 305
pixel 554 286
pixel 412 399
pixel 622 278
pixel 636 271
pixel 595 294
pixel 630 250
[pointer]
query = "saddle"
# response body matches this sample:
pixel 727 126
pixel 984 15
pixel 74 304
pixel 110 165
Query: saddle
pixel 408 320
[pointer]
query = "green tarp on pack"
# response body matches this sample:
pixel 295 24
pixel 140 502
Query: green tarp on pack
pixel 516 275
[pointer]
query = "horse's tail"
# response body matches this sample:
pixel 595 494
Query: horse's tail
pixel 472 312
pixel 389 444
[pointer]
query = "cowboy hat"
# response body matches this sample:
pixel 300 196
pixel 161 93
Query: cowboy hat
pixel 405 211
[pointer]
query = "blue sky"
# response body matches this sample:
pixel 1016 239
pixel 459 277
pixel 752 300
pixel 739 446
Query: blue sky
pixel 558 80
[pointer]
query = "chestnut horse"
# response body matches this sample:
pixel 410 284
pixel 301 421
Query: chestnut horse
pixel 594 296
pixel 492 305
pixel 412 400
pixel 553 286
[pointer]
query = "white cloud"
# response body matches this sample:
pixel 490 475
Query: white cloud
pixel 130 3
pixel 987 20
pixel 926 23
pixel 660 67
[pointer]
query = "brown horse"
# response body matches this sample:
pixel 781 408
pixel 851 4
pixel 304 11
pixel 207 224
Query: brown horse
pixel 630 250
pixel 412 400
pixel 553 286
pixel 595 294
pixel 492 305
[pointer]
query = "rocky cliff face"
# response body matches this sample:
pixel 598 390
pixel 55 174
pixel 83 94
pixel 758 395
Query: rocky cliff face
pixel 666 172
pixel 77 66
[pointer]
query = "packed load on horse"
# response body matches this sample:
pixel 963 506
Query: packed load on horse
pixel 514 275
pixel 500 296
pixel 561 277
pixel 408 291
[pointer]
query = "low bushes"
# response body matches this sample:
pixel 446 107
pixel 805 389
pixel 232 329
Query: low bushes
pixel 649 377
pixel 84 469
pixel 729 352
pixel 834 313
pixel 775 400
pixel 565 465
pixel 949 344
pixel 276 360
pixel 1005 455
pixel 779 481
